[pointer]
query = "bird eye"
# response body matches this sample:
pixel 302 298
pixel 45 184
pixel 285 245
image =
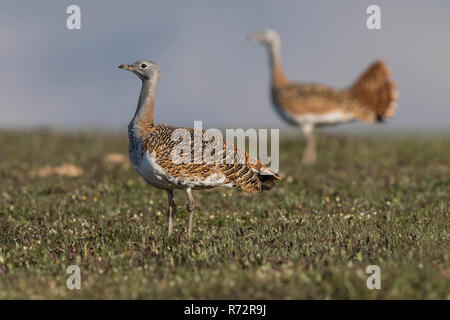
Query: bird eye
pixel 143 66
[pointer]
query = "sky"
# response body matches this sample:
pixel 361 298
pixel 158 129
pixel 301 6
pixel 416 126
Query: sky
pixel 52 76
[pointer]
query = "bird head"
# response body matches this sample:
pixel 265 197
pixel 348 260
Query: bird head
pixel 145 70
pixel 268 37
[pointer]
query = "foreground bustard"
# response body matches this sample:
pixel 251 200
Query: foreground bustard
pixel 371 98
pixel 151 151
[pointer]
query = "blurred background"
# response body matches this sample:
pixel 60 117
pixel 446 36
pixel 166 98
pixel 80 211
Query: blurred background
pixel 378 195
pixel 68 79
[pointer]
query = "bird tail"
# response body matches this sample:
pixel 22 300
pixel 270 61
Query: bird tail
pixel 267 178
pixel 376 91
pixel 267 181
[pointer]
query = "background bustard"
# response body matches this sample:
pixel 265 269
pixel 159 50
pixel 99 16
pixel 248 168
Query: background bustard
pixel 151 146
pixel 371 98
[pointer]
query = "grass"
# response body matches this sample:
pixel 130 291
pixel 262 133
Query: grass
pixel 369 200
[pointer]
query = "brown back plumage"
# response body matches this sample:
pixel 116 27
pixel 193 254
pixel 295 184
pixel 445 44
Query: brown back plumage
pixel 371 97
pixel 376 91
pixel 304 98
pixel 245 173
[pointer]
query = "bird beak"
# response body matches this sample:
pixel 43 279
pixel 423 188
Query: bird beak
pixel 126 67
pixel 256 37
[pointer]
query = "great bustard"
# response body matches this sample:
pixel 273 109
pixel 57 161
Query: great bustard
pixel 151 153
pixel 371 98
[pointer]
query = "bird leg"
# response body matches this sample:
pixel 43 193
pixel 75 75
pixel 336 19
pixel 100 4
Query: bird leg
pixel 190 208
pixel 309 155
pixel 172 208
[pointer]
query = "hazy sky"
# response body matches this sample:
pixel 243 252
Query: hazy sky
pixel 69 78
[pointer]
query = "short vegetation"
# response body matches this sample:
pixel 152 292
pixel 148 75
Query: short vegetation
pixel 381 200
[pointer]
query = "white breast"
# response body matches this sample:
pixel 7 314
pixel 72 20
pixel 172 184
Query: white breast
pixel 336 116
pixel 152 172
pixel 155 175
pixel 325 118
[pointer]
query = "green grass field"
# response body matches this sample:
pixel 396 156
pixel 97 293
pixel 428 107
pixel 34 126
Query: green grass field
pixel 369 200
